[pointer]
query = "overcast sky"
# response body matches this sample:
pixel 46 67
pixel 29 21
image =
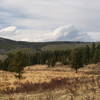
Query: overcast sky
pixel 49 20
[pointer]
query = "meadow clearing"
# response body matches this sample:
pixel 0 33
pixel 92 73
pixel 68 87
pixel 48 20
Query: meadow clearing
pixel 54 83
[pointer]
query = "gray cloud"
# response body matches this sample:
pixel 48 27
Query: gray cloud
pixel 46 15
pixel 70 33
pixel 63 33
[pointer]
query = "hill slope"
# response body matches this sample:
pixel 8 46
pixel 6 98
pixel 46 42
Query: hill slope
pixel 7 45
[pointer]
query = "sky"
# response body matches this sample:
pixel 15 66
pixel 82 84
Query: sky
pixel 50 20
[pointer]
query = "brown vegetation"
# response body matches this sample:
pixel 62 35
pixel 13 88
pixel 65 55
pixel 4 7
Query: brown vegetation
pixel 59 83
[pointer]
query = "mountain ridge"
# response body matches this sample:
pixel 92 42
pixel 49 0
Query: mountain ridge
pixel 8 45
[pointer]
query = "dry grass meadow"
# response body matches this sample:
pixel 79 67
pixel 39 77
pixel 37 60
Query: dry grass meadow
pixel 59 83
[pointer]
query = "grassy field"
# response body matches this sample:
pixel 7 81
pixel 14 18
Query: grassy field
pixel 59 83
pixel 62 46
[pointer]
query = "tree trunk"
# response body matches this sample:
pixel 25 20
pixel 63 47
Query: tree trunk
pixel 76 70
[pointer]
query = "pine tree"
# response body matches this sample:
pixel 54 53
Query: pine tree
pixel 96 57
pixel 93 50
pixel 17 64
pixel 76 59
pixel 5 64
pixel 87 54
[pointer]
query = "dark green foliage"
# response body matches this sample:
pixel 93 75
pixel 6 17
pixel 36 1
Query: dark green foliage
pixel 76 59
pixel 98 46
pixel 87 54
pixel 17 62
pixel 95 53
pixel 5 64
pixel 93 49
pixel 18 59
pixel 96 57
pixel 0 64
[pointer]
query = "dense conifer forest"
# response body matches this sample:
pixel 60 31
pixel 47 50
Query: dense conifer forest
pixel 75 58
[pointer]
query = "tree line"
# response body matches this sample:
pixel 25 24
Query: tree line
pixel 76 58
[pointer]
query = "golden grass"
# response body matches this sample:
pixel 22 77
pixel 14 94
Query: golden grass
pixel 41 73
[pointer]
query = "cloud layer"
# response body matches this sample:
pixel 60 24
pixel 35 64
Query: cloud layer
pixel 40 20
pixel 63 33
pixel 8 29
pixel 70 33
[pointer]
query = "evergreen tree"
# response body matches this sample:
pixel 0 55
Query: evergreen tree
pixel 87 54
pixel 76 59
pixel 17 64
pixel 93 50
pixel 96 57
pixel 5 64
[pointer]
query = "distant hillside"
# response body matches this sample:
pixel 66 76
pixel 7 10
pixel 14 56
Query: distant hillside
pixel 8 45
